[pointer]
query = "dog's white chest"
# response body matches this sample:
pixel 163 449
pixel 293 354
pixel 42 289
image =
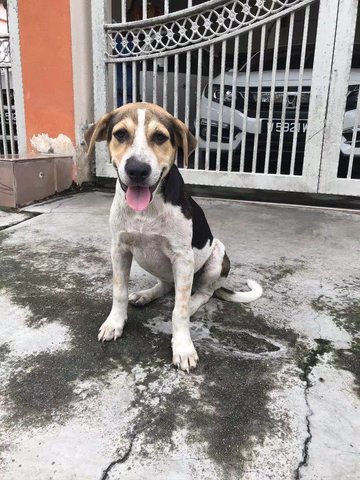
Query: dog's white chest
pixel 152 237
pixel 155 237
pixel 151 252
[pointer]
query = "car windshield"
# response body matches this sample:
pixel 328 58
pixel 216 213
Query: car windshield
pixel 294 59
pixel 281 63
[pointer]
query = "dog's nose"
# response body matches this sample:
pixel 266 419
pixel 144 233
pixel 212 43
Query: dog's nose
pixel 137 171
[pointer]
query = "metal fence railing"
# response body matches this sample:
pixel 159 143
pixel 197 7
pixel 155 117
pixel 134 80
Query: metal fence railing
pixel 8 132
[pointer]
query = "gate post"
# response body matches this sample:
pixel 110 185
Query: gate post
pixel 324 46
pixel 100 14
pixel 344 43
pixel 15 54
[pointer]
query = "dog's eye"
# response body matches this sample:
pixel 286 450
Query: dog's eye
pixel 159 138
pixel 121 135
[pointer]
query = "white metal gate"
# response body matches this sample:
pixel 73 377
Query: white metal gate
pixel 263 84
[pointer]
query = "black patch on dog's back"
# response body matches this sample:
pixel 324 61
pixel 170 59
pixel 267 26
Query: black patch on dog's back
pixel 174 192
pixel 201 229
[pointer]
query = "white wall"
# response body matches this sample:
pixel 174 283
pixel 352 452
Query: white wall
pixel 83 79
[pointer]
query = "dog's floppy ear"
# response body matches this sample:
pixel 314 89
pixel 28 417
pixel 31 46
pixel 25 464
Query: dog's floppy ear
pixel 184 139
pixel 97 132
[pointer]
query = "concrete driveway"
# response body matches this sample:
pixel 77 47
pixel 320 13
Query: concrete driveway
pixel 276 392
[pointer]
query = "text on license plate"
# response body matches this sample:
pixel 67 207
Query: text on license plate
pixel 288 127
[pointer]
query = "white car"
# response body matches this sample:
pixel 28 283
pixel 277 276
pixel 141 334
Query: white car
pixel 291 101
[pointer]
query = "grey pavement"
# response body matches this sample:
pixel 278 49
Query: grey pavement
pixel 276 391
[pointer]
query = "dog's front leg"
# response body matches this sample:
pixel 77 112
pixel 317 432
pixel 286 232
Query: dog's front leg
pixel 121 258
pixel 184 353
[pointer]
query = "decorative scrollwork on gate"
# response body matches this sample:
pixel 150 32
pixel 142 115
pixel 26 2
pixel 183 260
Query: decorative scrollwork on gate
pixel 4 50
pixel 199 26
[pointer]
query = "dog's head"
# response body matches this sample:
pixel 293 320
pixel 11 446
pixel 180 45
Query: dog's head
pixel 143 139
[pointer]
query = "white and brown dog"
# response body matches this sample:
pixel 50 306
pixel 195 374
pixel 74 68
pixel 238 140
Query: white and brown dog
pixel 154 220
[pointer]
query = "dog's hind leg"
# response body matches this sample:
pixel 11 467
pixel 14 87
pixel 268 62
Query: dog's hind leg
pixel 146 296
pixel 212 277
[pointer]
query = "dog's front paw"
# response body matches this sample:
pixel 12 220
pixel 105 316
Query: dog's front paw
pixel 139 299
pixel 111 329
pixel 184 354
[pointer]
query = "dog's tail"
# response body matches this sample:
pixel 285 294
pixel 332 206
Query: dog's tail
pixel 240 297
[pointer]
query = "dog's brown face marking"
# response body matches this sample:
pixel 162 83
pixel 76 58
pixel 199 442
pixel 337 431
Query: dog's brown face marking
pixel 160 138
pixel 146 132
pixel 121 135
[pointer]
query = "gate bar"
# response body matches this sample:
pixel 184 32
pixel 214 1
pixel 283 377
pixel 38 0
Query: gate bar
pixel 198 99
pixel 208 119
pixel 286 85
pixel 221 104
pixel 154 81
pixel 134 81
pixel 246 100
pixel 166 65
pixel 299 91
pixel 258 100
pixel 176 85
pixel 233 101
pixel 272 96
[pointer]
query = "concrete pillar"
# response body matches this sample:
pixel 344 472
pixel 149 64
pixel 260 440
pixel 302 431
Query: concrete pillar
pixel 56 71
pixel 81 36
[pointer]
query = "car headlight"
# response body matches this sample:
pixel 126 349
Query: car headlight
pixel 216 94
pixel 227 94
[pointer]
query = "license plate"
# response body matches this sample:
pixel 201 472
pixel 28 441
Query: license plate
pixel 288 127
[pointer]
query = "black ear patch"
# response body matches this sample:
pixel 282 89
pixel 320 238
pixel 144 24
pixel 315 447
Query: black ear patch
pixel 173 191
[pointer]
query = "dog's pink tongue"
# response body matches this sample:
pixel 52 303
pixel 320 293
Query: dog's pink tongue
pixel 138 198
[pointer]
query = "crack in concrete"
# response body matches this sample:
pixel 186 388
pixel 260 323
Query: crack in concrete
pixel 122 459
pixel 309 363
pixel 137 431
pixel 305 451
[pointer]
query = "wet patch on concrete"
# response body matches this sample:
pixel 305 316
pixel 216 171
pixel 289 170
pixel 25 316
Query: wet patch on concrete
pixel 231 316
pixel 3 236
pixel 345 312
pixel 276 272
pixel 309 361
pixel 39 390
pixel 275 278
pixel 4 351
pixel 243 341
pixel 284 268
pixel 229 413
pixel 350 360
